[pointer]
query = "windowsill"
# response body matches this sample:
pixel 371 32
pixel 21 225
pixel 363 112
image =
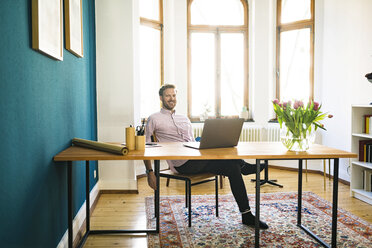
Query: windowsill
pixel 248 120
pixel 273 121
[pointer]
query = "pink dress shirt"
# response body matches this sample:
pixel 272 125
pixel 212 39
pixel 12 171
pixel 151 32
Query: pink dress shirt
pixel 169 127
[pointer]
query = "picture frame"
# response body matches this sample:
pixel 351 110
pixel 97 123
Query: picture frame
pixel 47 26
pixel 74 27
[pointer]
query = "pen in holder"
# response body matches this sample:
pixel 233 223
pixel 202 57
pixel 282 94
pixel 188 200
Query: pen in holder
pixel 130 138
pixel 141 129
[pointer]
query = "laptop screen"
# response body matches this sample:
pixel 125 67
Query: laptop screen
pixel 218 133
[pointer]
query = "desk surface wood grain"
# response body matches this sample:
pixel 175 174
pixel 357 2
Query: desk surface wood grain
pixel 244 150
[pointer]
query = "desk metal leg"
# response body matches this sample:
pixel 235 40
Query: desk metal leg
pixel 69 203
pixel 87 195
pixel 299 197
pixel 257 219
pixel 335 202
pixel 188 183
pixel 157 194
pixel 87 205
pixel 299 210
pixel 216 189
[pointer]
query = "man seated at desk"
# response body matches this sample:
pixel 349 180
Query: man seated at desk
pixel 171 127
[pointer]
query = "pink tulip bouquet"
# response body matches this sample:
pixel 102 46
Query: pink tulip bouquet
pixel 300 121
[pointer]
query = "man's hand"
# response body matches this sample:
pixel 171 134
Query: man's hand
pixel 151 180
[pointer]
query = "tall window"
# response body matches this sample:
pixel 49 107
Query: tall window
pixel 151 54
pixel 295 49
pixel 217 58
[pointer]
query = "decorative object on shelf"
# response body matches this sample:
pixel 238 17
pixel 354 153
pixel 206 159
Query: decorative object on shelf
pixel 300 123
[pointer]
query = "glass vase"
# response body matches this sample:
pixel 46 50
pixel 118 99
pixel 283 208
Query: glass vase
pixel 297 143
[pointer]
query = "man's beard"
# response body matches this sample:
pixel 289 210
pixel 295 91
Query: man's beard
pixel 166 105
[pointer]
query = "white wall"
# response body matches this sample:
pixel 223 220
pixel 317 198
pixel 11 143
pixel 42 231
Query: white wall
pixel 117 76
pixel 262 58
pixel 343 55
pixel 175 49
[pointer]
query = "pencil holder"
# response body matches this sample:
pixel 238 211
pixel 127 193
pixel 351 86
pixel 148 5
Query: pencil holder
pixel 140 142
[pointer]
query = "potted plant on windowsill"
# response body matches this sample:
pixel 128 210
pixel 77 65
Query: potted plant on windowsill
pixel 300 123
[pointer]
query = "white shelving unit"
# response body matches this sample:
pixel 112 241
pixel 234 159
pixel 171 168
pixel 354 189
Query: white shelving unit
pixel 357 167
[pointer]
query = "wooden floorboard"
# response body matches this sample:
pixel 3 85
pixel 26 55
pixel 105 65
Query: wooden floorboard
pixel 127 210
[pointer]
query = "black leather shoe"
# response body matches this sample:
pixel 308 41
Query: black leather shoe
pixel 248 168
pixel 249 220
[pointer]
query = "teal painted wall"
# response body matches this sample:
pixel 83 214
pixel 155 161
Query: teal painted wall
pixel 43 104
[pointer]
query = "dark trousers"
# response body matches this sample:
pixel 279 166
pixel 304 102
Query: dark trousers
pixel 230 168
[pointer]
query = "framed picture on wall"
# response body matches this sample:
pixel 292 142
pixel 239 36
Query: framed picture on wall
pixel 74 27
pixel 47 25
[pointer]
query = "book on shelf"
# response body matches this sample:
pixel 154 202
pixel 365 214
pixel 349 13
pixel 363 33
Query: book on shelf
pixel 368 124
pixel 363 150
pixel 367 180
pixel 369 153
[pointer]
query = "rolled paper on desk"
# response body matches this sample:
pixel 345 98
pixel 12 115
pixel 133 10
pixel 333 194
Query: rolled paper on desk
pixel 101 146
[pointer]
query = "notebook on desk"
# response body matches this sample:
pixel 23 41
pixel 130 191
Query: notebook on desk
pixel 219 133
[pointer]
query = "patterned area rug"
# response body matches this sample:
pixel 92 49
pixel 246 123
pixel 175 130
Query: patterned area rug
pixel 279 210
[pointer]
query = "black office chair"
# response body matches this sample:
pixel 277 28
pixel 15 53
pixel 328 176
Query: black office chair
pixel 190 180
pixel 266 179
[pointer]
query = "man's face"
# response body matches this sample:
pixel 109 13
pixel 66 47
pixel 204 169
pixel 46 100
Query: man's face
pixel 169 99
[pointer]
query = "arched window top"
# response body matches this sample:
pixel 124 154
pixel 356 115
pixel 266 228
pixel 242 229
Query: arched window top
pixel 295 10
pixel 149 9
pixel 217 12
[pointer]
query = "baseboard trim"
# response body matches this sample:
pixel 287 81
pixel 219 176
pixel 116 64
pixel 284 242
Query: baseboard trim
pixel 82 230
pixel 78 223
pixel 119 185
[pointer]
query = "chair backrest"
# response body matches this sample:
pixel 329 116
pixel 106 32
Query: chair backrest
pixel 153 138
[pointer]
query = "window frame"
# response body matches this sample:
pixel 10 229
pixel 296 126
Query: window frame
pixel 217 30
pixel 290 26
pixel 157 24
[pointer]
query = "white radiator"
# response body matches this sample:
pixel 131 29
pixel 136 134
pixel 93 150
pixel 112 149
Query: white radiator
pixel 197 130
pixel 249 133
pixel 273 133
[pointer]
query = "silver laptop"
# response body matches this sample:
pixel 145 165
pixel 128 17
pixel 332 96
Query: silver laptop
pixel 219 133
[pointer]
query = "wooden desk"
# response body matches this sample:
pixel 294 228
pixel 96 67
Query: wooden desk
pixel 245 150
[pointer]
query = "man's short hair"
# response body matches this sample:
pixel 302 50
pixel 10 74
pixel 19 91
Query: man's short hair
pixel 164 87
